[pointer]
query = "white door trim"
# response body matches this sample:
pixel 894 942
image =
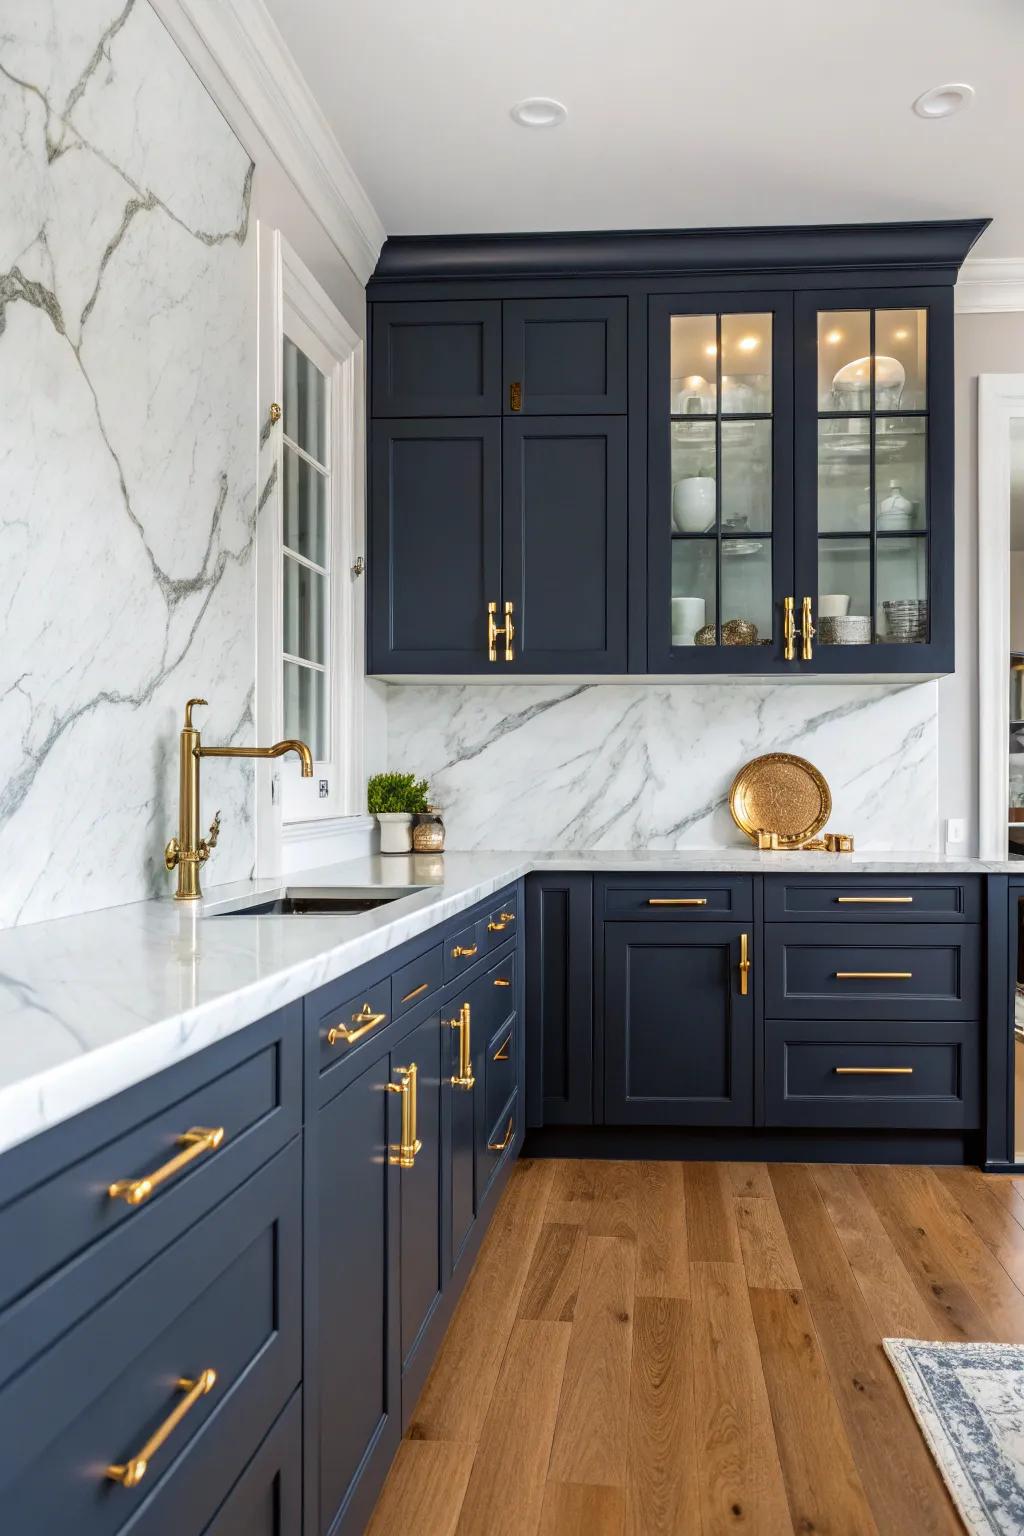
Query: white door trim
pixel 1000 401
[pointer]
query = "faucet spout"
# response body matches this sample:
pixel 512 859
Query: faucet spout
pixel 277 750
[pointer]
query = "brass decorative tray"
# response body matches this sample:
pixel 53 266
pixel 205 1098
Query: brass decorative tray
pixel 783 794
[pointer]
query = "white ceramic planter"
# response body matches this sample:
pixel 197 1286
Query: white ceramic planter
pixel 395 831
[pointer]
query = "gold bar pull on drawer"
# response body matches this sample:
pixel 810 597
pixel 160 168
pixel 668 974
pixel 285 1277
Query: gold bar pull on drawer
pixel 415 992
pixel 499 1146
pixel 463 1024
pixel 404 1156
pixel 677 901
pixel 464 952
pixel 873 975
pixel 502 981
pixel 744 964
pixel 130 1473
pixel 873 1071
pixel 874 901
pixel 365 1020
pixel 198 1140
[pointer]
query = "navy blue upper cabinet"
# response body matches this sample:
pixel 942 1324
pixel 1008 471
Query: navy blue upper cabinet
pixel 437 359
pixel 564 357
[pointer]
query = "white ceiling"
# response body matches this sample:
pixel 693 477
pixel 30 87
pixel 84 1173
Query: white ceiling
pixel 682 113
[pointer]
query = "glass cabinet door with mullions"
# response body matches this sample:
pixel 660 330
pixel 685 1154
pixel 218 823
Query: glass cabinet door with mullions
pixel 873 481
pixel 720 557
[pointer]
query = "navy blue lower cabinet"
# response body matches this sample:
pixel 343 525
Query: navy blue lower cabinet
pixel 420 1180
pixel 559 1000
pixel 678 1020
pixel 267 1499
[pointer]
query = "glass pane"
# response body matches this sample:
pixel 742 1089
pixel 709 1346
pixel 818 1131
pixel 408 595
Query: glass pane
pixel 844 592
pixel 844 366
pixel 305 707
pixel 747 591
pixel 693 476
pixel 305 508
pixel 304 403
pixel 746 364
pixel 902 587
pixel 746 476
pixel 901 477
pixel 305 597
pixel 692 369
pixel 844 475
pixel 901 359
pixel 693 590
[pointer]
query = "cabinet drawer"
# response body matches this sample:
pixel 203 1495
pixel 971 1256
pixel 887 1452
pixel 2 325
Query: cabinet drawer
pixel 225 1298
pixel 683 898
pixel 415 981
pixel 813 971
pixel 862 1075
pixel 498 1144
pixel 859 898
pixel 500 925
pixel 342 1029
pixel 249 1089
pixel 267 1499
pixel 500 1069
pixel 462 950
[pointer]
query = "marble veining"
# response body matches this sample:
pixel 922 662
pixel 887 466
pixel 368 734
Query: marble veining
pixel 127 452
pixel 648 766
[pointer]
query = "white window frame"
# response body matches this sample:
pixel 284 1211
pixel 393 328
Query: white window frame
pixel 288 807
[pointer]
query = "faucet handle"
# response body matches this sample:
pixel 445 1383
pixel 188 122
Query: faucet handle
pixel 208 843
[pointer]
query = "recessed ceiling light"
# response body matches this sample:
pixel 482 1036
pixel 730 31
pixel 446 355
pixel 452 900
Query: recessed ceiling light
pixel 539 112
pixel 944 100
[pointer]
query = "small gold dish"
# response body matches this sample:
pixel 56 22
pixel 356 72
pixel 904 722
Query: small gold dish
pixel 783 795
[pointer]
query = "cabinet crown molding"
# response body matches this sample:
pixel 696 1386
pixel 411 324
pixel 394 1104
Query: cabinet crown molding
pixel 990 285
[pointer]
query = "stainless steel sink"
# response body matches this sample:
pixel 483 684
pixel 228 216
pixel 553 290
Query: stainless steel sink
pixel 318 900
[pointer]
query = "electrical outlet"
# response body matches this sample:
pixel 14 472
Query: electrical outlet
pixel 324 789
pixel 956 832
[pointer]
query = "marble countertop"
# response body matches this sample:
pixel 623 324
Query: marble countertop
pixel 90 1005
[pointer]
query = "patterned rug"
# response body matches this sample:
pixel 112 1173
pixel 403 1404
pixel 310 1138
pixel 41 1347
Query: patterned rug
pixel 969 1402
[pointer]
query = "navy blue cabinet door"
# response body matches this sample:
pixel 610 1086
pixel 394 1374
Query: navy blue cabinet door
pixel 565 357
pixel 678 1030
pixel 358 1269
pixel 564 527
pixel 437 359
pixel 435 553
pixel 421 1249
pixel 559 1000
pixel 874 477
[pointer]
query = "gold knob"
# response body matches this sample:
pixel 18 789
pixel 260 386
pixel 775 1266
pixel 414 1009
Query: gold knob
pixel 275 414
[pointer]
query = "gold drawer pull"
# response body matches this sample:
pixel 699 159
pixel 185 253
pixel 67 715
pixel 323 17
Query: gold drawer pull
pixel 873 975
pixel 130 1473
pixel 873 1071
pixel 499 1146
pixel 365 1019
pixel 502 1053
pixel 464 951
pixel 502 981
pixel 404 1155
pixel 198 1140
pixel 415 992
pixel 744 964
pixel 677 901
pixel 496 927
pixel 463 1024
pixel 504 918
pixel 874 901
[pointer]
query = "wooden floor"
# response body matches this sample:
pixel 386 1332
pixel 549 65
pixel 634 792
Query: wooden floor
pixel 649 1348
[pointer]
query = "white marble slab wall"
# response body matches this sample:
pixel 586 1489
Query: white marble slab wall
pixel 649 766
pixel 127 453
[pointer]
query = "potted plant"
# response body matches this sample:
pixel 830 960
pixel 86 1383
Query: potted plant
pixel 394 798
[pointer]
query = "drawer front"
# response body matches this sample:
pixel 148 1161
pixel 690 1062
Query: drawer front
pixel 500 1069
pixel 863 1075
pixel 814 972
pixel 173 1157
pixel 686 898
pixel 860 898
pixel 500 925
pixel 350 1025
pixel 417 980
pixel 126 1384
pixel 498 1145
pixel 267 1499
pixel 463 949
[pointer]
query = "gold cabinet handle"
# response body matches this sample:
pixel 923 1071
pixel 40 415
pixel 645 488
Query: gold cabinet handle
pixel 463 1024
pixel 744 966
pixel 872 901
pixel 807 631
pixel 415 992
pixel 365 1020
pixel 502 921
pixel 873 1071
pixel 195 1142
pixel 788 630
pixel 464 951
pixel 873 975
pixel 502 1053
pixel 502 981
pixel 677 901
pixel 493 927
pixel 404 1155
pixel 499 1146
pixel 130 1473
pixel 515 396
pixel 506 630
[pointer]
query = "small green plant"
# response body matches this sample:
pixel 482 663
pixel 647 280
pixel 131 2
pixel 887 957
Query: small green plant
pixel 389 792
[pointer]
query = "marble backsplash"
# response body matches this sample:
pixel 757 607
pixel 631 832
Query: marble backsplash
pixel 127 453
pixel 625 766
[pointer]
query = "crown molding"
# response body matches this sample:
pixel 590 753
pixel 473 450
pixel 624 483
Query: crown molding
pixel 990 285
pixel 242 59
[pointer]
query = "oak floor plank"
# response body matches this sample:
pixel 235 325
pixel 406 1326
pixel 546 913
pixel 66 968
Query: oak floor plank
pixel 424 1489
pixel 589 1443
pixel 747 1179
pixel 581 1509
pixel 573 1188
pixel 822 1483
pixel 994 1222
pixel 506 1489
pixel 767 1257
pixel 1006 1193
pixel 661 1467
pixel 549 1294
pixel 987 1280
pixel 662 1257
pixel 710 1220
pixel 613 1212
pixel 902 1483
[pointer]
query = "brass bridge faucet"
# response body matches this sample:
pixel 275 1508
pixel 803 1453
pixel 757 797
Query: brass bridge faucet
pixel 188 850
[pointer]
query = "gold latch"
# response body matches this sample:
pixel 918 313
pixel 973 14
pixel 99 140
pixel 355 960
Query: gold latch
pixel 515 396
pixel 507 631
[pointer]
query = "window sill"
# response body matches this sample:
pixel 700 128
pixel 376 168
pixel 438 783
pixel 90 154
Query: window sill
pixel 325 840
